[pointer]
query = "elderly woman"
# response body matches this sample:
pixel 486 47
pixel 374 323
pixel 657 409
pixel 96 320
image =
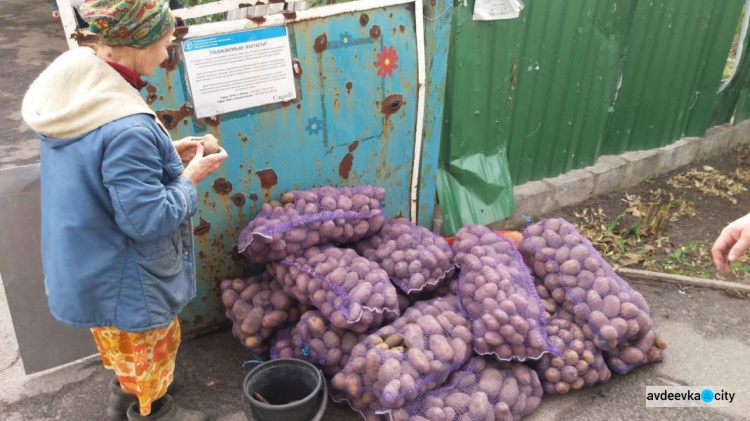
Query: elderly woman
pixel 117 246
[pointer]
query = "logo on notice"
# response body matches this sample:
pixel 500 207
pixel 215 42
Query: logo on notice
pixel 187 45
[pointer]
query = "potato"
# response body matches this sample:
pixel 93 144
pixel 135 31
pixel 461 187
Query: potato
pixel 589 289
pixel 259 310
pixel 210 145
pixel 342 294
pixel 630 354
pixel 581 364
pixel 278 232
pixel 397 356
pixel 481 390
pixel 495 288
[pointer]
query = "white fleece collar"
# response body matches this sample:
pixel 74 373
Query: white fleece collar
pixel 78 93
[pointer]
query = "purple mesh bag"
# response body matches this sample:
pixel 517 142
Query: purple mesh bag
pixel 286 344
pixel 496 291
pixel 608 309
pixel 324 345
pixel 481 390
pixel 352 292
pixel 415 258
pixel 399 362
pixel 636 352
pixel 312 217
pixel 581 364
pixel 258 307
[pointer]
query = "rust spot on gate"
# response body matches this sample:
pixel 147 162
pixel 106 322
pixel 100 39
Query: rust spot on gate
pixel 84 38
pixel 258 19
pixel 321 43
pixel 253 197
pixel 375 32
pixel 222 186
pixel 203 228
pixel 172 60
pixel 345 166
pixel 296 68
pixel 238 200
pixel 268 178
pixel 151 97
pixel 180 32
pixel 212 121
pixel 289 14
pixel 391 104
pixel 235 255
pixel 364 19
pixel 402 28
pixel 170 118
pixel 348 87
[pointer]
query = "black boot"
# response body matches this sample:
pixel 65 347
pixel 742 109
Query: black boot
pixel 166 410
pixel 120 401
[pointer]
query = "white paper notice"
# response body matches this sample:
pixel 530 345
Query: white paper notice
pixel 236 71
pixel 497 9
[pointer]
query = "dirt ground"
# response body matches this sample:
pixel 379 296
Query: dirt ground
pixel 669 223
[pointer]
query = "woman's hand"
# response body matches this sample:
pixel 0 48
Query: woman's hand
pixel 201 166
pixel 186 148
pixel 731 244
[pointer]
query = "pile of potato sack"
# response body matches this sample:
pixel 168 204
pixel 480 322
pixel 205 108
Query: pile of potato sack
pixel 408 327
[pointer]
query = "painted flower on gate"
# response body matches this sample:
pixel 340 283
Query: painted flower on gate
pixel 387 62
pixel 345 37
pixel 314 125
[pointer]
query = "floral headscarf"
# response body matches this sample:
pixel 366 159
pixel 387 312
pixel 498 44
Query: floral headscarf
pixel 134 23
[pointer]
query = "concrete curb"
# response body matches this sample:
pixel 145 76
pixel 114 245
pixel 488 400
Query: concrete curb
pixel 681 280
pixel 611 173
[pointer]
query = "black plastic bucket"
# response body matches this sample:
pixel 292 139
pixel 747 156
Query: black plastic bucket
pixel 294 390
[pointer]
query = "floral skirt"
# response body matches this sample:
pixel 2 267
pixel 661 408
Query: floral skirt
pixel 143 362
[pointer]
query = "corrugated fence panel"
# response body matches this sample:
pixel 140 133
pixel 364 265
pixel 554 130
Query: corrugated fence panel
pixel 675 54
pixel 535 90
pixel 736 92
pixel 722 25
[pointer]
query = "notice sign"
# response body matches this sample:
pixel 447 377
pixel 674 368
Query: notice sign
pixel 497 9
pixel 236 71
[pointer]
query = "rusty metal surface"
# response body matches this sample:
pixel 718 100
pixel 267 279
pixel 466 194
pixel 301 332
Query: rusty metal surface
pixel 353 122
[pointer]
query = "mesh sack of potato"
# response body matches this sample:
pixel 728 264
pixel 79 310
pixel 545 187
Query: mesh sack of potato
pixel 496 291
pixel 482 390
pixel 581 364
pixel 608 309
pixel 415 258
pixel 287 344
pixel 399 362
pixel 352 292
pixel 324 345
pixel 258 307
pixel 632 353
pixel 306 218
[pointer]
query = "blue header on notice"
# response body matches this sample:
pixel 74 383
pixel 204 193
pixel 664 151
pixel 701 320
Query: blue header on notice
pixel 223 40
